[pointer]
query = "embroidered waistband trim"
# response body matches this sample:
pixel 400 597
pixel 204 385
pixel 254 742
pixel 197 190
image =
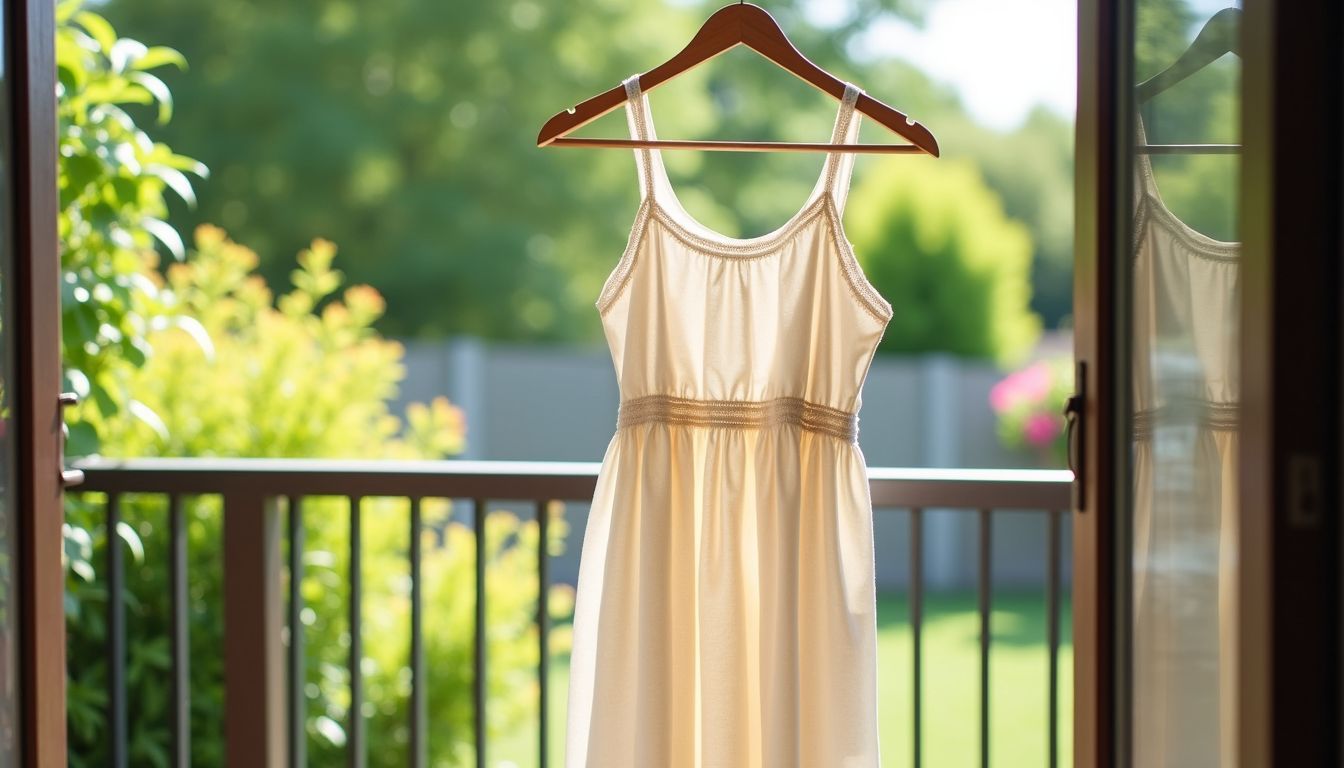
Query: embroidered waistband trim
pixel 1215 417
pixel 741 414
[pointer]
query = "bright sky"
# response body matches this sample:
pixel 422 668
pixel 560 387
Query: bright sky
pixel 1002 56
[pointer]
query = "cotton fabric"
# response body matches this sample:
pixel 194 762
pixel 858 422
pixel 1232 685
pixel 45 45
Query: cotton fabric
pixel 726 612
pixel 1187 295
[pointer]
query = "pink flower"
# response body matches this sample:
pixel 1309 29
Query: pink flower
pixel 1029 385
pixel 1041 429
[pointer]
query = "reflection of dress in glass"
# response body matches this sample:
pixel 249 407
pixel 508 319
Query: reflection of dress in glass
pixel 726 611
pixel 1187 294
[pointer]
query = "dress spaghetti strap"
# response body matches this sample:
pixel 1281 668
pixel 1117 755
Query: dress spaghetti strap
pixel 840 165
pixel 641 129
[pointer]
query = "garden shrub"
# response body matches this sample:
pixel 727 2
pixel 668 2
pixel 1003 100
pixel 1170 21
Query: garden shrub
pixel 301 375
pixel 935 241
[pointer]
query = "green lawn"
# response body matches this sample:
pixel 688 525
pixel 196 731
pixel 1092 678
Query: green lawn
pixel 951 686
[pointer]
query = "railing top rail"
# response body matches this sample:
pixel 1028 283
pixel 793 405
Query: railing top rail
pixel 571 481
pixel 342 477
pixel 994 489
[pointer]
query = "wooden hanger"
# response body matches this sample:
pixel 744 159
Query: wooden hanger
pixel 730 26
pixel 1220 35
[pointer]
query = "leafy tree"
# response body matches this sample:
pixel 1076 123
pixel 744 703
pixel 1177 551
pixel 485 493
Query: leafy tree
pixel 935 241
pixel 404 132
pixel 1031 169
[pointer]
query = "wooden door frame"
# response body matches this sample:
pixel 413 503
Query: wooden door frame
pixel 1098 579
pixel 1290 619
pixel 30 44
pixel 1289 590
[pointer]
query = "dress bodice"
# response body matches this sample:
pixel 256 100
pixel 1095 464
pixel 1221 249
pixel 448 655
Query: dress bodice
pixel 1187 297
pixel 689 313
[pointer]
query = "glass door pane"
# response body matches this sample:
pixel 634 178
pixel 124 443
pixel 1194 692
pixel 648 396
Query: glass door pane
pixel 1182 311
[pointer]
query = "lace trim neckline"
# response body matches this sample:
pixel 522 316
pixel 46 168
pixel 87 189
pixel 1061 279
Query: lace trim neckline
pixel 862 290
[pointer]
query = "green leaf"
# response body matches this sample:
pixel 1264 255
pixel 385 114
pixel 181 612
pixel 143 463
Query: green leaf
pixel 85 320
pixel 103 399
pixel 160 91
pixel 176 180
pixel 133 352
pixel 193 328
pixel 125 190
pixel 159 56
pixel 65 9
pixel 187 164
pixel 147 415
pixel 77 382
pixel 125 51
pixel 98 28
pixel 127 534
pixel 71 66
pixel 164 233
pixel 330 730
pixel 83 440
pixel 79 171
pixel 118 91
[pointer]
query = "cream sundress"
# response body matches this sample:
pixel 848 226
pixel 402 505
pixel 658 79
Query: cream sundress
pixel 1187 391
pixel 726 609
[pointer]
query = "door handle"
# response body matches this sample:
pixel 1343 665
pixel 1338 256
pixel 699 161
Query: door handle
pixel 1075 435
pixel 69 477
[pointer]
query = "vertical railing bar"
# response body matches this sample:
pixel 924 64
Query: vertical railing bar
pixel 1052 640
pixel 419 753
pixel 543 630
pixel 917 629
pixel 986 541
pixel 355 738
pixel 298 678
pixel 116 636
pixel 478 664
pixel 254 717
pixel 181 648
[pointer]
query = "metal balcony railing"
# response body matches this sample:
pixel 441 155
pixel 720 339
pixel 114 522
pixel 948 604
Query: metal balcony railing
pixel 264 699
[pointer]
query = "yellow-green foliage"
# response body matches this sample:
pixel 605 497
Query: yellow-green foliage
pixel 299 375
pixel 934 240
pixel 304 375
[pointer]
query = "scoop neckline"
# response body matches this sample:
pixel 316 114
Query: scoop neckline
pixel 674 214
